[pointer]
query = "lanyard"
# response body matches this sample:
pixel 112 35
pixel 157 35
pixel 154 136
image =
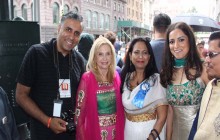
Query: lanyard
pixel 56 63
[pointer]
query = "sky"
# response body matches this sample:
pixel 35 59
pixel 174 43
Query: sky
pixel 179 6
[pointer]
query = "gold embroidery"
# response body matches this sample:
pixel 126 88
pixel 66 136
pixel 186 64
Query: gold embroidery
pixel 77 114
pixel 217 125
pixel 101 84
pixel 80 97
pixel 141 117
pixel 113 134
pixel 104 91
pixel 107 120
pixel 189 93
pixel 104 134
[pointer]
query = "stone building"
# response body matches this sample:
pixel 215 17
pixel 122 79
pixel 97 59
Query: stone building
pixel 99 15
pixel 102 15
pixel 49 15
pixel 136 23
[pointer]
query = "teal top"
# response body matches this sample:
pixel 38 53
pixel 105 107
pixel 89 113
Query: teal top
pixel 189 93
pixel 106 103
pixel 106 99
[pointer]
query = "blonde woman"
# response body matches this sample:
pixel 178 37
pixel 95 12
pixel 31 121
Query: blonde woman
pixel 99 111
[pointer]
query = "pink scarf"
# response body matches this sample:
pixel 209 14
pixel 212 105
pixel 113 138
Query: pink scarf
pixel 88 123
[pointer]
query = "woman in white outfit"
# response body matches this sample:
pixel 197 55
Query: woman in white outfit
pixel 143 97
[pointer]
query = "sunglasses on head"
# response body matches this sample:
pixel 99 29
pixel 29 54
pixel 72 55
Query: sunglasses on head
pixel 210 54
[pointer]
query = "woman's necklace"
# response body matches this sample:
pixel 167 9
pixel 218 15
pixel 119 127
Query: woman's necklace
pixel 103 78
pixel 181 76
pixel 179 63
pixel 134 81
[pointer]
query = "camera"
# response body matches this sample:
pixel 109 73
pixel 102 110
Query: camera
pixel 68 116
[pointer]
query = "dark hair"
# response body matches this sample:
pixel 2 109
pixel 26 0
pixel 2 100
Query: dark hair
pixel 117 46
pixel 85 44
pixel 128 68
pixel 214 36
pixel 192 59
pixel 161 22
pixel 71 15
pixel 201 42
pixel 111 36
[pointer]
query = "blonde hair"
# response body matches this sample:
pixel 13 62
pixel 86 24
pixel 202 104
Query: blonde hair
pixel 91 65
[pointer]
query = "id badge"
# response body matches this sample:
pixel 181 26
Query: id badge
pixel 57 106
pixel 64 88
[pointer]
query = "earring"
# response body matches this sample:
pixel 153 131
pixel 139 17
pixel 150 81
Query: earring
pixel 95 66
pixel 110 66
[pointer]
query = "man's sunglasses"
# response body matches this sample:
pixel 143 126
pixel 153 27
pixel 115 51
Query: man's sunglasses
pixel 210 54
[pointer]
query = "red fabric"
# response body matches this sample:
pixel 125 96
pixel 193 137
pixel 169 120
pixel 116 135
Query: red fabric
pixel 87 122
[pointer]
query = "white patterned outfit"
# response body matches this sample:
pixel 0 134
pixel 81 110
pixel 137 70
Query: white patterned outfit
pixel 140 121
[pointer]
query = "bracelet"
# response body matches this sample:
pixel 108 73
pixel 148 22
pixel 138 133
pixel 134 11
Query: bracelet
pixel 48 122
pixel 154 130
pixel 152 134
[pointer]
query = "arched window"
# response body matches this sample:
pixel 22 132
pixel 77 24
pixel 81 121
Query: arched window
pixel 107 20
pixel 56 13
pixel 75 9
pixel 24 11
pixel 32 12
pixel 15 10
pixel 66 9
pixel 88 19
pixel 107 3
pixel 114 6
pixel 115 23
pixel 102 21
pixel 95 20
pixel 118 8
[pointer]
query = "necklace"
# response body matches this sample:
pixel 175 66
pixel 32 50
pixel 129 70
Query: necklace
pixel 179 63
pixel 103 78
pixel 134 81
pixel 181 76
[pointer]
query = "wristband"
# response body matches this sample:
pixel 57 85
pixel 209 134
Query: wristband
pixel 152 134
pixel 48 122
pixel 154 130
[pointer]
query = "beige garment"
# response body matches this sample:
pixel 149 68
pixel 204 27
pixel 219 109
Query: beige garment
pixel 209 116
pixel 183 120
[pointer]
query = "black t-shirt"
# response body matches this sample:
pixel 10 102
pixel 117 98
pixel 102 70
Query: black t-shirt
pixel 39 70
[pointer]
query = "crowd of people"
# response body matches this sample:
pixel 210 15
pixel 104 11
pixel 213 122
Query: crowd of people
pixel 166 88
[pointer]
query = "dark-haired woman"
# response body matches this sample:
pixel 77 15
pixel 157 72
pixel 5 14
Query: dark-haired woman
pixel 144 98
pixel 184 77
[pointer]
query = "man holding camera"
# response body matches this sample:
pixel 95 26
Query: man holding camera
pixel 48 80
